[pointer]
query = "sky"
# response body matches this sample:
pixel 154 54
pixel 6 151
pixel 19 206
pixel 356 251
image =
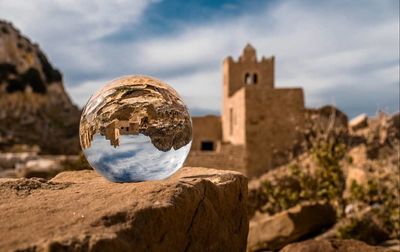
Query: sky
pixel 344 53
pixel 135 159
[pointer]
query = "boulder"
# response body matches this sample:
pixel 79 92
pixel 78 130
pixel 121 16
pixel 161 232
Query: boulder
pixel 274 232
pixel 332 246
pixel 358 122
pixel 382 135
pixel 327 116
pixel 196 209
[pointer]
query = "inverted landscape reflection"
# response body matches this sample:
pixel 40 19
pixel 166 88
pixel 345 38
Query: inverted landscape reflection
pixel 135 159
pixel 135 128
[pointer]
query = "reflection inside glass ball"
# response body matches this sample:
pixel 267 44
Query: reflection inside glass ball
pixel 135 128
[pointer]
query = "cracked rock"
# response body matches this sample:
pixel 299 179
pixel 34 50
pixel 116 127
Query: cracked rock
pixel 196 209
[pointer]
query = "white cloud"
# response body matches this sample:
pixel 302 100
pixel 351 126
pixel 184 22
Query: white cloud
pixel 70 31
pixel 316 50
pixel 135 159
pixel 81 93
pixel 71 20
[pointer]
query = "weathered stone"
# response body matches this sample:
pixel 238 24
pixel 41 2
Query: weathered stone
pixel 196 209
pixel 332 246
pixel 274 232
pixel 359 122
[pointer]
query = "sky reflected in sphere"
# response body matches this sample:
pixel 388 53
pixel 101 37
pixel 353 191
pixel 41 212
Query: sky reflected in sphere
pixel 136 159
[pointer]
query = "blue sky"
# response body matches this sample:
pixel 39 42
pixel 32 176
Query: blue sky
pixel 135 159
pixel 341 52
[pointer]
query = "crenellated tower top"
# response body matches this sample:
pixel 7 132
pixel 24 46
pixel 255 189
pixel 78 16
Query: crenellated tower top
pixel 247 72
pixel 249 54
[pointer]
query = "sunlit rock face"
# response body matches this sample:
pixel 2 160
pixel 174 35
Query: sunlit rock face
pixel 135 128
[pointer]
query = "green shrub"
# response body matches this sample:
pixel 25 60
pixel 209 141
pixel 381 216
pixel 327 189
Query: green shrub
pixel 365 228
pixel 299 185
pixel 384 195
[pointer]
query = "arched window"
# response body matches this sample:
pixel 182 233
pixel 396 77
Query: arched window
pixel 255 78
pixel 250 79
pixel 247 79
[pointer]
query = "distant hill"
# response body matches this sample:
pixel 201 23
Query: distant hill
pixel 34 107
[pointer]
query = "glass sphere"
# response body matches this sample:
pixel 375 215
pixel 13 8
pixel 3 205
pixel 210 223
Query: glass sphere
pixel 135 128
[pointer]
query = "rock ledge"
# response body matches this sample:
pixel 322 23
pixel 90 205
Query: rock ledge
pixel 196 209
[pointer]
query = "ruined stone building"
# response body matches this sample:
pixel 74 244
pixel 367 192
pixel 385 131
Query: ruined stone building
pixel 111 132
pixel 258 120
pixel 116 128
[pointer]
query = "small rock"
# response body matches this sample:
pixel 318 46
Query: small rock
pixel 359 122
pixel 274 232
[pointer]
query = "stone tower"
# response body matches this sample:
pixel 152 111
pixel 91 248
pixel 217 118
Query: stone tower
pixel 257 115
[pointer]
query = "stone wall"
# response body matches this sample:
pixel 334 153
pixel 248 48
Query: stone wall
pixel 206 128
pixel 272 117
pixel 228 157
pixel 233 118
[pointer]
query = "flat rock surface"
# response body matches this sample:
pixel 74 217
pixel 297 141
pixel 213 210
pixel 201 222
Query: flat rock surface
pixel 196 209
pixel 274 232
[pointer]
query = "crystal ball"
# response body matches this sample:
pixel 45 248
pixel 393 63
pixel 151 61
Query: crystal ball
pixel 135 128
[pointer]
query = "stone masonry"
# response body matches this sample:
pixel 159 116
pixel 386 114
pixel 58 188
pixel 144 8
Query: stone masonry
pixel 258 120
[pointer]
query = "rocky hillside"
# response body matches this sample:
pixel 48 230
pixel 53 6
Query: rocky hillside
pixel 34 107
pixel 345 185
